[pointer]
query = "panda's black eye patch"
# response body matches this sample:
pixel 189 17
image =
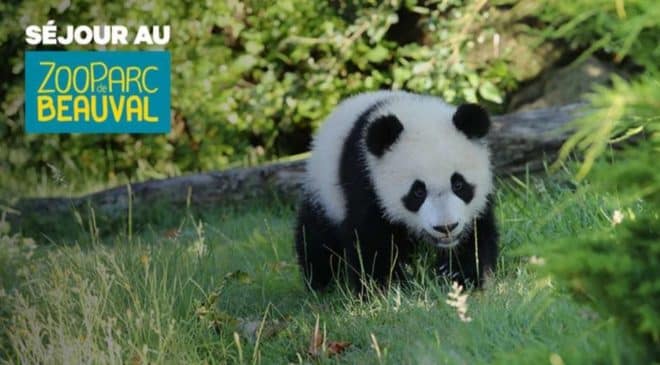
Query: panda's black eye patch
pixel 415 197
pixel 462 189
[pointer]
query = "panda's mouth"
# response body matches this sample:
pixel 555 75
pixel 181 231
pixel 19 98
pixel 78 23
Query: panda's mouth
pixel 445 242
pixel 442 241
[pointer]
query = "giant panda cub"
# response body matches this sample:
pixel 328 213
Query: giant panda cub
pixel 390 170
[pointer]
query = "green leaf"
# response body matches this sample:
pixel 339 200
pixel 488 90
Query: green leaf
pixel 470 95
pixel 378 54
pixel 254 47
pixel 244 63
pixel 490 92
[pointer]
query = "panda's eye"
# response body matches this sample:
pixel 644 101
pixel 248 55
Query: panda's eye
pixel 457 186
pixel 418 190
pixel 415 196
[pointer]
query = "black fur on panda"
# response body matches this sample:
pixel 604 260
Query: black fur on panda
pixel 388 171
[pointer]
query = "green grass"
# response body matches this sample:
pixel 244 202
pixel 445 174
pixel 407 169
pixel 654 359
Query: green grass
pixel 153 297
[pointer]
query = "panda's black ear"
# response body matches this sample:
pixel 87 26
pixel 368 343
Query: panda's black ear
pixel 382 133
pixel 472 120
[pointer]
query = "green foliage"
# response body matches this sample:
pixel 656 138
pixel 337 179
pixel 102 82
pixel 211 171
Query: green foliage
pixel 616 269
pixel 252 79
pixel 615 114
pixel 619 27
pixel 15 250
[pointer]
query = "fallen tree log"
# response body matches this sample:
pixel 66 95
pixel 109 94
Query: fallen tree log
pixel 519 141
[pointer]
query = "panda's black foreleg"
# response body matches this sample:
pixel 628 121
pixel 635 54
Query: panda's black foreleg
pixel 374 260
pixel 317 246
pixel 475 258
pixel 366 271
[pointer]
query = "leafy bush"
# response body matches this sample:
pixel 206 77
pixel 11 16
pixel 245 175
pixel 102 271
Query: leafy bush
pixel 620 28
pixel 617 270
pixel 252 79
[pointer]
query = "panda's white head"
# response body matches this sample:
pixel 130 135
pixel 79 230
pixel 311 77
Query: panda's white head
pixel 429 164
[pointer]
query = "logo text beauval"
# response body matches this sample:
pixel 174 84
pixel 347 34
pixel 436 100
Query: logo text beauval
pixel 97 92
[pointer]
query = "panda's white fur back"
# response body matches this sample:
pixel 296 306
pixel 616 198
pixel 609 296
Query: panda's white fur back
pixel 322 177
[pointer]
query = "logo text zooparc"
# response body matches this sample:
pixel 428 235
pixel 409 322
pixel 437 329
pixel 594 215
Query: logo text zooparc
pixel 97 91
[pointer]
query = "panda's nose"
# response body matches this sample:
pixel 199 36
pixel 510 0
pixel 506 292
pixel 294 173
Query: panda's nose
pixel 446 229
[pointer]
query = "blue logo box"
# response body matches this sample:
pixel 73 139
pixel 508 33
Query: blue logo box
pixel 97 92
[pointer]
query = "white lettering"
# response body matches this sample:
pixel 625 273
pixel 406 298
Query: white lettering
pixel 97 35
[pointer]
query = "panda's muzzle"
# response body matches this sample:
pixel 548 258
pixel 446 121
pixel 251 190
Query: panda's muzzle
pixel 442 241
pixel 446 229
pixel 448 237
pixel 446 241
